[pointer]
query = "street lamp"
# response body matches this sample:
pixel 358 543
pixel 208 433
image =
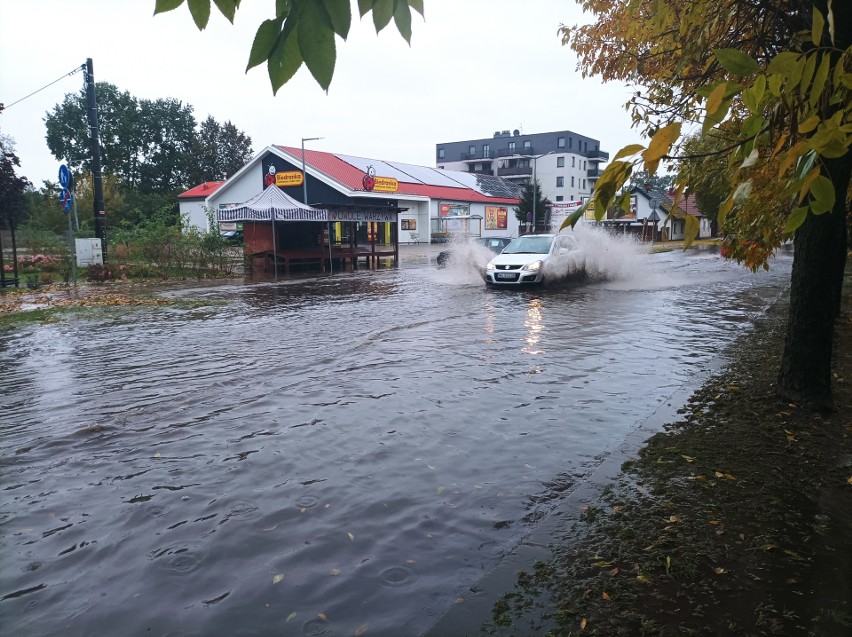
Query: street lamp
pixel 304 174
pixel 535 184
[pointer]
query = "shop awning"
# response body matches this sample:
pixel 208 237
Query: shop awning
pixel 272 204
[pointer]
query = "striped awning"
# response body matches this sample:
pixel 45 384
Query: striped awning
pixel 272 204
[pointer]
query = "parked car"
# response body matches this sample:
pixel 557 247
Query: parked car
pixel 536 258
pixel 233 237
pixel 495 244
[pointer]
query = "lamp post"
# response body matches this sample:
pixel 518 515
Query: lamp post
pixel 304 174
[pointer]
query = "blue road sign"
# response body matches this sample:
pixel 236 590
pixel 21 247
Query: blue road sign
pixel 64 176
pixel 65 199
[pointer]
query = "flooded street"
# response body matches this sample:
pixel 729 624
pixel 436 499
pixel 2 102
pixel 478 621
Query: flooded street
pixel 333 455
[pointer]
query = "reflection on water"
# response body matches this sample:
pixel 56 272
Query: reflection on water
pixel 321 455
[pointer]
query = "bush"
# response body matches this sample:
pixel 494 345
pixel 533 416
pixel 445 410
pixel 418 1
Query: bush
pixel 100 273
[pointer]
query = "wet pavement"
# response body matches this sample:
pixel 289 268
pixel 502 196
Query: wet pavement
pixel 330 455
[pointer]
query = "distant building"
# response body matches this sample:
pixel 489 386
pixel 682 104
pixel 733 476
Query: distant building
pixel 192 204
pixel 566 164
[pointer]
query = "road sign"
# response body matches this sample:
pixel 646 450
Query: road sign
pixel 65 199
pixel 64 176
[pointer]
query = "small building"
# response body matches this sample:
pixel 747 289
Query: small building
pixel 192 205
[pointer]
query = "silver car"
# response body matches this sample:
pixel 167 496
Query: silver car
pixel 536 259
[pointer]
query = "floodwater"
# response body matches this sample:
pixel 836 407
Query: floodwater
pixel 343 455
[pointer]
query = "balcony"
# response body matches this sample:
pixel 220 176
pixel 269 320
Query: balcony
pixel 594 173
pixel 597 155
pixel 514 171
pixel 509 152
pixel 477 156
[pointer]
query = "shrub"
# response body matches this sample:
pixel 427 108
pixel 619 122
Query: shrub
pixel 100 273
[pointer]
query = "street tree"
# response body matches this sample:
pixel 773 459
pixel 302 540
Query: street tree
pixel 302 31
pixel 776 74
pixel 641 179
pixel 524 210
pixel 12 186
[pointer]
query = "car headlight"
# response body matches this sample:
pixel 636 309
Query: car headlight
pixel 535 266
pixel 489 266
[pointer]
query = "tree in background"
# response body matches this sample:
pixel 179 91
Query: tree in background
pixel 12 187
pixel 776 75
pixel 524 210
pixel 219 150
pixel 706 171
pixel 643 180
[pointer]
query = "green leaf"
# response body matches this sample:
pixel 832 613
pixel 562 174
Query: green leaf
pixel 402 17
pixel 316 42
pixel 690 230
pixel 822 192
pixel 783 63
pixel 417 5
pixel 574 217
pixel 796 218
pixel 264 41
pixel 200 10
pixel 161 6
pixel 227 8
pixel 382 13
pixel 817 26
pixel 808 72
pixel 712 120
pixel 819 80
pixel 282 8
pixel 341 16
pixel 286 58
pixel 736 62
pixel 662 142
pixel 364 7
pixel 809 124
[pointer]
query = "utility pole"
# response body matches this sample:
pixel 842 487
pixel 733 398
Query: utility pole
pixel 94 139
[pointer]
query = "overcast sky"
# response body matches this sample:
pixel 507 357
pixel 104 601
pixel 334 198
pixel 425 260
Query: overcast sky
pixel 473 67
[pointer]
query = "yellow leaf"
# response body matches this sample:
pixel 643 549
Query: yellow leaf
pixel 335 571
pixel 769 547
pixel 849 480
pixel 718 474
pixel 157 455
pixel 615 571
pixel 687 458
pixel 322 616
pixel 277 578
pixel 583 623
pixel 643 579
pixel 716 97
pixel 632 149
pixel 291 617
pixel 362 629
pixel 441 490
pixel 459 600
pixel 719 570
pixel 351 537
pixel 817 26
pixel 606 596
pixel 661 142
pixel 728 476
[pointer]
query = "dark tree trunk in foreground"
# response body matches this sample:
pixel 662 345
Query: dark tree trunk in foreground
pixel 818 269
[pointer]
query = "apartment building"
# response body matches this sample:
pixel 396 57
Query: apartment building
pixel 566 164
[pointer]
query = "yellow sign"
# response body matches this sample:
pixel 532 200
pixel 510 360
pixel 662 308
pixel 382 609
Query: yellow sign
pixel 590 212
pixel 290 178
pixel 385 184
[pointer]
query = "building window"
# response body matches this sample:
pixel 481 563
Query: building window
pixel 570 142
pixel 472 150
pixel 584 184
pixel 560 181
pixel 512 147
pixel 584 164
pixel 486 150
pixel 560 142
pixel 558 197
pixel 573 162
pixel 560 162
pixel 527 144
pixel 440 153
pixel 572 181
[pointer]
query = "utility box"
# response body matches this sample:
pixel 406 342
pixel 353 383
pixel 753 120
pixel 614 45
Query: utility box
pixel 89 252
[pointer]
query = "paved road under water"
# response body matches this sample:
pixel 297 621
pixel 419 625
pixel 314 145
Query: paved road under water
pixel 332 455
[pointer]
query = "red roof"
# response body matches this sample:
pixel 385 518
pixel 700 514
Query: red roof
pixel 351 177
pixel 201 191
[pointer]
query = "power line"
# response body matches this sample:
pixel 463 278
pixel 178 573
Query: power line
pixel 76 70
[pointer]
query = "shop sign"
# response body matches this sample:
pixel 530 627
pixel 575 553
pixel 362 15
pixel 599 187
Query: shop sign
pixel 454 210
pixel 496 218
pixel 372 183
pixel 289 178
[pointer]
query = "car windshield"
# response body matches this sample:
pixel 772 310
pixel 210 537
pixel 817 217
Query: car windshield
pixel 529 245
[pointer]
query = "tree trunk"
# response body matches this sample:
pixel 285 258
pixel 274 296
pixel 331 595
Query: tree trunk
pixel 818 268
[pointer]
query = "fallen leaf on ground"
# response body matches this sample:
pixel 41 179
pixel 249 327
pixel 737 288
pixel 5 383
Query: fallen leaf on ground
pixel 362 629
pixel 277 578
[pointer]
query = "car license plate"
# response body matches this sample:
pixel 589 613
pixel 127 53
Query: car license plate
pixel 506 275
